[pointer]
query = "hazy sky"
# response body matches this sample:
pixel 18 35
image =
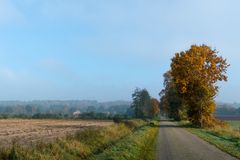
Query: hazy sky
pixel 92 49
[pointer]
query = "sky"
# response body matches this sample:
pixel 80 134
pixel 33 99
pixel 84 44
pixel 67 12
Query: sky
pixel 103 50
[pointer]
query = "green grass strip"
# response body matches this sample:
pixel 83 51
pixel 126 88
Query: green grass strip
pixel 140 145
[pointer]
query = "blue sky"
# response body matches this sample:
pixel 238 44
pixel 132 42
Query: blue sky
pixel 102 50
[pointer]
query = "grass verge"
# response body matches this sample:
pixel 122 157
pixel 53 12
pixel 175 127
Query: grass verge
pixel 235 124
pixel 140 145
pixel 76 147
pixel 226 139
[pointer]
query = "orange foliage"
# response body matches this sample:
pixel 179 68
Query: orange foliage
pixel 154 111
pixel 195 73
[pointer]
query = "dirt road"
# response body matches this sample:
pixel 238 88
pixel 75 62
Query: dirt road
pixel 175 143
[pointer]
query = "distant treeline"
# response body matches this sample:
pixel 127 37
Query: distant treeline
pixel 64 109
pixel 58 109
pixel 228 109
pixel 86 115
pixel 88 109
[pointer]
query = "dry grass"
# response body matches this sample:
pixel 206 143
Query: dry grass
pixel 230 131
pixel 77 146
pixel 25 132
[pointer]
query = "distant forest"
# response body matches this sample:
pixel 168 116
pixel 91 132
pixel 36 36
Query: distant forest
pixel 228 109
pixel 64 109
pixel 88 108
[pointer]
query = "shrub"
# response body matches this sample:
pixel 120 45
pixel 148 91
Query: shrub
pixel 116 119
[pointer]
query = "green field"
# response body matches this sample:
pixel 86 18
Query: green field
pixel 235 124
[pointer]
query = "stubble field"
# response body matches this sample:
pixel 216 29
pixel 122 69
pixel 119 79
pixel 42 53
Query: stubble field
pixel 25 132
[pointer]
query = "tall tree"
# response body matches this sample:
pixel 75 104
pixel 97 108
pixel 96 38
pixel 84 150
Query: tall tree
pixel 154 110
pixel 171 104
pixel 195 75
pixel 141 103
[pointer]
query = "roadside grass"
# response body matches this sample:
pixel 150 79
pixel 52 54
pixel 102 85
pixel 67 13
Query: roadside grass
pixel 74 147
pixel 235 124
pixel 227 139
pixel 140 145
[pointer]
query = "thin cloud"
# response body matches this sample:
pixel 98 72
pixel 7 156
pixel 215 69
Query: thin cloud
pixel 13 76
pixel 7 74
pixel 57 68
pixel 9 13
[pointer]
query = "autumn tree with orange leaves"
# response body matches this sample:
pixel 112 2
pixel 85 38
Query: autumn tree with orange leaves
pixel 170 102
pixel 154 107
pixel 195 74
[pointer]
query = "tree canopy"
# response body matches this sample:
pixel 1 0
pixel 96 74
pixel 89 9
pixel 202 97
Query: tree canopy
pixel 154 107
pixel 143 105
pixel 191 84
pixel 170 102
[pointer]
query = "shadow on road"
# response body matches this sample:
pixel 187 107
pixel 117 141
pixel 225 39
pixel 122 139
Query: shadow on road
pixel 166 120
pixel 174 124
pixel 170 126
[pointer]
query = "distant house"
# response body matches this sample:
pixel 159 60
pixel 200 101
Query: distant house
pixel 76 113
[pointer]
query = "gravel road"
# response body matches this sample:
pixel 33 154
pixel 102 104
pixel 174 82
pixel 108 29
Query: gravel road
pixel 175 143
